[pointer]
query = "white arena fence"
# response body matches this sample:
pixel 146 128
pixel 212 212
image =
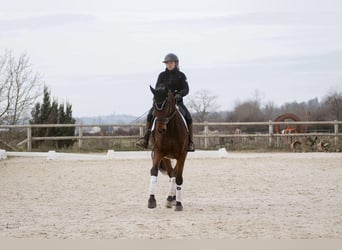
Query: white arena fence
pixel 111 154
pixel 206 134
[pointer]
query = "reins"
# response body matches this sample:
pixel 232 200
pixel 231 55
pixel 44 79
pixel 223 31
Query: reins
pixel 166 119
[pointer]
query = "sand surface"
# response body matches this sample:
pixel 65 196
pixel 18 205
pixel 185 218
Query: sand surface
pixel 242 196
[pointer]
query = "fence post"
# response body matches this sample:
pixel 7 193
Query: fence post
pixel 141 131
pixel 80 135
pixel 270 133
pixel 336 132
pixel 29 139
pixel 206 133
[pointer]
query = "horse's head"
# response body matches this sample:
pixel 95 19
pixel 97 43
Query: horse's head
pixel 164 107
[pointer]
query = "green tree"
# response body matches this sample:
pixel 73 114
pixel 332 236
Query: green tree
pixel 50 112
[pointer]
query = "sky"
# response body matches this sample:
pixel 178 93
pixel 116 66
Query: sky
pixel 101 56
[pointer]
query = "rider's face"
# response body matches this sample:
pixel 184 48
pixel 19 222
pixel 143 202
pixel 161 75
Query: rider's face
pixel 170 65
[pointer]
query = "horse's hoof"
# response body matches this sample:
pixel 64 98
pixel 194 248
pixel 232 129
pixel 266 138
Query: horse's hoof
pixel 168 204
pixel 152 203
pixel 151 206
pixel 179 206
pixel 171 201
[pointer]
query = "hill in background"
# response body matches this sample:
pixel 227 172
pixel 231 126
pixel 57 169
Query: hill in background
pixel 108 119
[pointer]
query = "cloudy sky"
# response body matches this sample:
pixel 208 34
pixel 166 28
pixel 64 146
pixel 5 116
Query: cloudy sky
pixel 102 55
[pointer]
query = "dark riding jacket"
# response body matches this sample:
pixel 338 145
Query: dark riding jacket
pixel 176 81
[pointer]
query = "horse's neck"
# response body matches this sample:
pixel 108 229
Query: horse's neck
pixel 177 122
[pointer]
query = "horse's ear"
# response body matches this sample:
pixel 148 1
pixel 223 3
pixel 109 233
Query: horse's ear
pixel 152 90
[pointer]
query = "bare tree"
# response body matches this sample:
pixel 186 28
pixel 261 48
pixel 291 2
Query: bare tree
pixel 19 88
pixel 270 111
pixel 334 102
pixel 5 86
pixel 202 104
pixel 248 111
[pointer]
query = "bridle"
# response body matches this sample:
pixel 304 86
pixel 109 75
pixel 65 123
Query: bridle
pixel 167 119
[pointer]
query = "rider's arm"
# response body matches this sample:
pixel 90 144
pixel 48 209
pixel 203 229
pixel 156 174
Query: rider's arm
pixel 184 86
pixel 159 82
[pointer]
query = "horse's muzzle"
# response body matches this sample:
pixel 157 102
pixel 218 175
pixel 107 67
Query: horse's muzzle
pixel 161 128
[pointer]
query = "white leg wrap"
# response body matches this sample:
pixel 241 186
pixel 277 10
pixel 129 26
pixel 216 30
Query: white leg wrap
pixel 172 186
pixel 153 185
pixel 179 193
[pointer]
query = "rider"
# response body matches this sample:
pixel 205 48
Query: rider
pixel 176 81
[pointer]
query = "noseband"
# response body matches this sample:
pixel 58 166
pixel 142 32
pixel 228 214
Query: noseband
pixel 162 105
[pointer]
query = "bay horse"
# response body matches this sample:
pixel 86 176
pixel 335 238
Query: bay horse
pixel 170 140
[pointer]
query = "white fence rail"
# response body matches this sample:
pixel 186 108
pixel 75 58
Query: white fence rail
pixel 206 135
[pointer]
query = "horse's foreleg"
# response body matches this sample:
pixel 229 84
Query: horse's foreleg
pixel 152 203
pixel 179 198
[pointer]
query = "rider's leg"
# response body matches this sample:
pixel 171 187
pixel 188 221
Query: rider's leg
pixel 143 141
pixel 188 118
pixel 191 147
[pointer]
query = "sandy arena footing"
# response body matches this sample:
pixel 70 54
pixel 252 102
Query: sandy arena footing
pixel 239 196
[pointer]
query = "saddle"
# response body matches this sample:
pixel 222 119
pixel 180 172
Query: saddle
pixel 182 115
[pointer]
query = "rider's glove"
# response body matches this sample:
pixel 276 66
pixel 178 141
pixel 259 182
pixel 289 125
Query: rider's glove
pixel 178 97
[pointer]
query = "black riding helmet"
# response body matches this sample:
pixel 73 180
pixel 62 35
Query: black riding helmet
pixel 171 58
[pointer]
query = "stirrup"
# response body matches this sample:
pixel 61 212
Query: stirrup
pixel 141 143
pixel 191 147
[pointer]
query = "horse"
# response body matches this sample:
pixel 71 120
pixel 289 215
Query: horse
pixel 170 140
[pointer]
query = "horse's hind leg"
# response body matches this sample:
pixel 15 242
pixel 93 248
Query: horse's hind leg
pixel 179 181
pixel 171 199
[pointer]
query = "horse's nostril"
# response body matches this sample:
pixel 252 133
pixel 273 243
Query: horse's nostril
pixel 163 130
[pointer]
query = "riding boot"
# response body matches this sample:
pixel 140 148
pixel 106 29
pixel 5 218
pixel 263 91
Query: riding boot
pixel 191 147
pixel 143 141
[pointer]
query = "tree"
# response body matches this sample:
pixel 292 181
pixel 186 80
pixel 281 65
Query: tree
pixel 248 111
pixel 202 104
pixel 270 111
pixel 19 87
pixel 49 112
pixel 334 102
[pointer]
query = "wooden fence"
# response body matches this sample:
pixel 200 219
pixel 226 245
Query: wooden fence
pixel 262 129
